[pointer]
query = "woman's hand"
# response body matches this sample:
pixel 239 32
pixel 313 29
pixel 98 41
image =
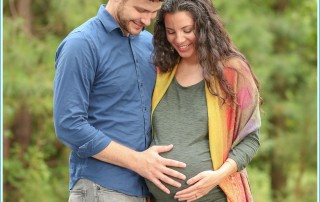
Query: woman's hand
pixel 200 185
pixel 204 182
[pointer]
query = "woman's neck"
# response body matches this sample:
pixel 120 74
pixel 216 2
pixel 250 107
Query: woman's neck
pixel 188 73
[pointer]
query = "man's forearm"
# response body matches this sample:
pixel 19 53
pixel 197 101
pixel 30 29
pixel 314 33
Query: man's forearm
pixel 119 155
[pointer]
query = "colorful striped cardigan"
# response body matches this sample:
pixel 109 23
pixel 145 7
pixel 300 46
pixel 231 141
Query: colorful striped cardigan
pixel 228 123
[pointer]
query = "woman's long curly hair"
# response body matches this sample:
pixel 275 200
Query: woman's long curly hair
pixel 214 45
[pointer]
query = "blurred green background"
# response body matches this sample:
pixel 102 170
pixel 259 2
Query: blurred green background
pixel 279 38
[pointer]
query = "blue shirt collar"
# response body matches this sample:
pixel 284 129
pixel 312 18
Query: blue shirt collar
pixel 107 19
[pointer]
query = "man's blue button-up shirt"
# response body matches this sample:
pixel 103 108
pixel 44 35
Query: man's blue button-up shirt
pixel 102 93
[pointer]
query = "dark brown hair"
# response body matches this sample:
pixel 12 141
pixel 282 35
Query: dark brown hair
pixel 214 45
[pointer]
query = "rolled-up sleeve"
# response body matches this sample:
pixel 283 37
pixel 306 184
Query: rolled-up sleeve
pixel 75 64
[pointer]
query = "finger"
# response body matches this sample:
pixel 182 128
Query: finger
pixel 161 149
pixel 173 173
pixel 169 162
pixel 187 192
pixel 173 163
pixel 190 197
pixel 159 184
pixel 170 181
pixel 194 179
pixel 192 200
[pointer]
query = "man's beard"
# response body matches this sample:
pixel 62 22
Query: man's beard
pixel 124 25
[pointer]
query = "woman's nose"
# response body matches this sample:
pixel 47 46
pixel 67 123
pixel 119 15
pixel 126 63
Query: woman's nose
pixel 179 38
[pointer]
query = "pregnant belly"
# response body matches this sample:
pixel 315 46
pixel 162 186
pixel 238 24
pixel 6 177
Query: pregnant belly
pixel 197 160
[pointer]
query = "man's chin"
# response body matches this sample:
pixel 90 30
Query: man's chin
pixel 135 32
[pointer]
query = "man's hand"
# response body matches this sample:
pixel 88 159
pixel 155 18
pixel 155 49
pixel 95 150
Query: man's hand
pixel 157 169
pixel 149 164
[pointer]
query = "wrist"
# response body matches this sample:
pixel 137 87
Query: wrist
pixel 229 167
pixel 134 161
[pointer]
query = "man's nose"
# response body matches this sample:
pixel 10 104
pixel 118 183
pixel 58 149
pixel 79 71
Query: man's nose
pixel 146 19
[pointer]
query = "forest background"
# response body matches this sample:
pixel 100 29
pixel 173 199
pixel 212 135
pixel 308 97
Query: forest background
pixel 279 38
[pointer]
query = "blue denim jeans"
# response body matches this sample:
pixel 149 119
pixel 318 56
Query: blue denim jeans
pixel 87 191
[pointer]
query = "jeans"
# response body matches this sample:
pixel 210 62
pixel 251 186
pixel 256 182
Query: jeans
pixel 87 191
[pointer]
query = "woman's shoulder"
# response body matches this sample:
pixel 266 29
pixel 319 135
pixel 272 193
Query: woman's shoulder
pixel 236 65
pixel 237 70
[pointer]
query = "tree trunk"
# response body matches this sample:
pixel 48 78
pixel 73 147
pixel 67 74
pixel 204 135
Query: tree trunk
pixel 22 131
pixel 278 175
pixel 22 128
pixel 6 147
pixel 280 5
pixel 24 11
pixel 278 167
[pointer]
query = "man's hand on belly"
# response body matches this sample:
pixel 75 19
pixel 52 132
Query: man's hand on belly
pixel 155 168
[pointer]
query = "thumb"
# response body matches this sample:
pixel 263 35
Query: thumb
pixel 161 149
pixel 194 179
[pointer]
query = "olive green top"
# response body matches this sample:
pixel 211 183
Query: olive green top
pixel 181 119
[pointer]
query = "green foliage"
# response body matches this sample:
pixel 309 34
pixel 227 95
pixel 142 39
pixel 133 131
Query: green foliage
pixel 278 40
pixel 32 177
pixel 73 13
pixel 28 68
pixel 281 47
pixel 259 183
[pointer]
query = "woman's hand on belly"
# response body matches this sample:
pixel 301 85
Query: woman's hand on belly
pixel 201 184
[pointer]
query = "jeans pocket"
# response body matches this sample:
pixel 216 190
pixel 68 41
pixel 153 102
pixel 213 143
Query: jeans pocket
pixel 77 195
pixel 102 189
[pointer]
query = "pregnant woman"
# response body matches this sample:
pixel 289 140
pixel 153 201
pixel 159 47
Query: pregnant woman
pixel 205 103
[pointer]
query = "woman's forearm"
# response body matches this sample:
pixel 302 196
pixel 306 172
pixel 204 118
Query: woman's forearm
pixel 228 167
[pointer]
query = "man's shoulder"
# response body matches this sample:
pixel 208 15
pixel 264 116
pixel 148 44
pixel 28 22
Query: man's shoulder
pixel 79 39
pixel 88 28
pixel 87 33
pixel 145 38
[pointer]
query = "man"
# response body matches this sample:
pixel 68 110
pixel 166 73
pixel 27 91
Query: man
pixel 102 102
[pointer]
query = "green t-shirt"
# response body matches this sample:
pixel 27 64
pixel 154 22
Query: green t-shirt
pixel 181 119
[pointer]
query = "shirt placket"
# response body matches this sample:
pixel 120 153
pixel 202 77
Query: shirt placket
pixel 141 88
